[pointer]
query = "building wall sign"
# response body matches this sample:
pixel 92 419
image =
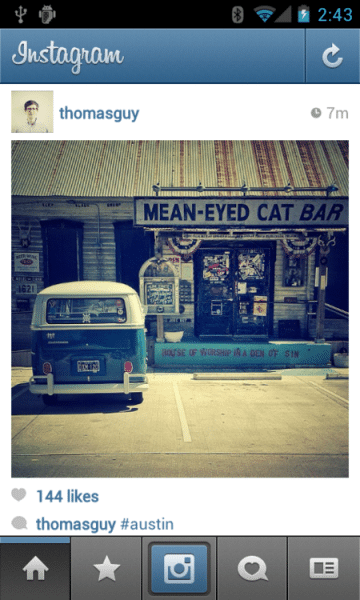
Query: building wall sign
pixel 26 262
pixel 240 211
pixel 241 355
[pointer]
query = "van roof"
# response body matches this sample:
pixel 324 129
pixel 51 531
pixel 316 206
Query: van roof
pixel 88 288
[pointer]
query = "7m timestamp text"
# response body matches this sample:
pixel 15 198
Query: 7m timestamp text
pixel 335 113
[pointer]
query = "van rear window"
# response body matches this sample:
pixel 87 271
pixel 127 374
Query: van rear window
pixel 85 310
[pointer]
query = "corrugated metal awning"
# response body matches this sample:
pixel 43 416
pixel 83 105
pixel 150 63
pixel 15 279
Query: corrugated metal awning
pixel 130 168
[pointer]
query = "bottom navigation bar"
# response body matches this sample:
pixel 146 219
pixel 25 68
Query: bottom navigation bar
pixel 218 568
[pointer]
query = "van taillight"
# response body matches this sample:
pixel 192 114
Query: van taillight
pixel 128 367
pixel 47 368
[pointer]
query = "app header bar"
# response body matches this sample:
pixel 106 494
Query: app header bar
pixel 180 56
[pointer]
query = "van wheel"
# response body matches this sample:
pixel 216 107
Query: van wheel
pixel 50 400
pixel 136 398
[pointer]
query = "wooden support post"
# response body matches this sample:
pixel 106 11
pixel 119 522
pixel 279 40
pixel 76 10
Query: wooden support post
pixel 325 242
pixel 324 248
pixel 160 328
pixel 320 310
pixel 159 318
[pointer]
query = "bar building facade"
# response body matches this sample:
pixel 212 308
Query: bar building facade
pixel 240 245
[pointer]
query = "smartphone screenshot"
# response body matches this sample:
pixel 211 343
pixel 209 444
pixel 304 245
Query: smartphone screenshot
pixel 177 187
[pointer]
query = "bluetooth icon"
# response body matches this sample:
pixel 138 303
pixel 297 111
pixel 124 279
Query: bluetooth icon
pixel 237 14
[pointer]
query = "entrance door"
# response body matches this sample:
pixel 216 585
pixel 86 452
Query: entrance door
pixel 62 242
pixel 133 247
pixel 215 292
pixel 233 289
pixel 252 291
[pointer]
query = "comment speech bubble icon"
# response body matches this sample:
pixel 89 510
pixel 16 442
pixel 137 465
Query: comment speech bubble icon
pixel 19 523
pixel 260 572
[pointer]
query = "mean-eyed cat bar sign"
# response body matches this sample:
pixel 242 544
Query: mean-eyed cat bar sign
pixel 238 212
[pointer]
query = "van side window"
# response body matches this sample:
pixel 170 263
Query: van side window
pixel 85 310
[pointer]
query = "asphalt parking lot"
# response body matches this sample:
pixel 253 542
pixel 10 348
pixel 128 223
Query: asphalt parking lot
pixel 283 424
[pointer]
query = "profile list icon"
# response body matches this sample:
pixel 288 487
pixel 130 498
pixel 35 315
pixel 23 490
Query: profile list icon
pixel 324 568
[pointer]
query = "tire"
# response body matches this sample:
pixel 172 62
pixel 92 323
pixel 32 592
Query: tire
pixel 50 400
pixel 136 398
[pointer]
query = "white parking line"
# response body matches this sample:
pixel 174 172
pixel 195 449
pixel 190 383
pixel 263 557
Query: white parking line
pixel 342 400
pixel 182 416
pixel 325 391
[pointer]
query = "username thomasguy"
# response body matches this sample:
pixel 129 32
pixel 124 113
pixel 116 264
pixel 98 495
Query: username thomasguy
pixel 117 115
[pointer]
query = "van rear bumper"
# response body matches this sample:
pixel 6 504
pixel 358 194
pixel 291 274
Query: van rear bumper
pixel 44 384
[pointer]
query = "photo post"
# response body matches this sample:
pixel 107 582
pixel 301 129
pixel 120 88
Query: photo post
pixel 179 207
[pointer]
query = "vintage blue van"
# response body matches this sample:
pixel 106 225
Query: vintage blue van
pixel 88 337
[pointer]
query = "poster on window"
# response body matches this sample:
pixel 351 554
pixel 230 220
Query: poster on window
pixel 159 293
pixel 260 309
pixel 216 267
pixel 251 265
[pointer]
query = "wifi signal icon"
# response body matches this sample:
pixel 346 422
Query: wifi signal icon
pixel 264 12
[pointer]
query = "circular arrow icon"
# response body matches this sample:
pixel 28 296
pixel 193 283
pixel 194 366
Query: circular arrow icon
pixel 328 63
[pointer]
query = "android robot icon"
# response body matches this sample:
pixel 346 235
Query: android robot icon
pixel 47 14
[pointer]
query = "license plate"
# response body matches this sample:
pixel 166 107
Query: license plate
pixel 88 366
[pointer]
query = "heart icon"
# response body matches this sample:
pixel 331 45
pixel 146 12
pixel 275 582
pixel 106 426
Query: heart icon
pixel 252 568
pixel 18 494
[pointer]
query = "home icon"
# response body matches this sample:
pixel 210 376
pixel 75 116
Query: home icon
pixel 35 565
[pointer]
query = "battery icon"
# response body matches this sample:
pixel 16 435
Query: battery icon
pixel 303 14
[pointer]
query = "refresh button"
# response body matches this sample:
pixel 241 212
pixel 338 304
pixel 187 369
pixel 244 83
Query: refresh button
pixel 325 57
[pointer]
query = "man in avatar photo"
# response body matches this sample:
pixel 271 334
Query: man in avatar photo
pixel 32 125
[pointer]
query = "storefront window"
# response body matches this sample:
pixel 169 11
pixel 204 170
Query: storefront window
pixel 85 310
pixel 294 271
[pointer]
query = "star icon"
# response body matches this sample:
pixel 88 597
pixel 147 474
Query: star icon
pixel 106 569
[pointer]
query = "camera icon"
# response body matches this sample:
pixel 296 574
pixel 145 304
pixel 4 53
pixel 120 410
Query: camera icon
pixel 179 568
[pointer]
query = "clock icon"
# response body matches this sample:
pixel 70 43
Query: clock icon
pixel 316 113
